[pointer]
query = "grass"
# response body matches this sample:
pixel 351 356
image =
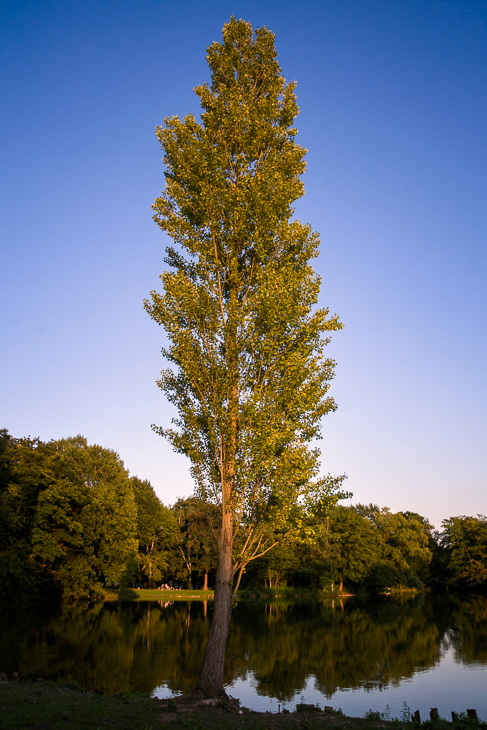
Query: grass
pixel 283 593
pixel 143 594
pixel 48 706
pixel 55 707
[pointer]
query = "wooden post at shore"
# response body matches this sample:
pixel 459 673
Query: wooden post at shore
pixel 434 715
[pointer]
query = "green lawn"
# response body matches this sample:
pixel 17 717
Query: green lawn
pixel 142 594
pixel 52 707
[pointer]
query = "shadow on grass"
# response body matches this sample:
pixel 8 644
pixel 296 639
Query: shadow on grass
pixel 128 594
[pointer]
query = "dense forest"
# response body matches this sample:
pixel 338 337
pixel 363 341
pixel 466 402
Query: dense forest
pixel 72 520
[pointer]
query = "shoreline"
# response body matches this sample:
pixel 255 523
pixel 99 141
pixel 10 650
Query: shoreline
pixel 150 594
pixel 34 704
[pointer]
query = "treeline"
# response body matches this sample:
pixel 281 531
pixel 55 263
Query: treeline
pixel 368 548
pixel 72 519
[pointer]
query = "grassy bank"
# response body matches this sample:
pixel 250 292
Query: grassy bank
pixel 142 594
pixel 301 594
pixel 44 706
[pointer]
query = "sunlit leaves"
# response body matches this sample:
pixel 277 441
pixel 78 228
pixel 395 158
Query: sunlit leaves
pixel 465 542
pixel 249 377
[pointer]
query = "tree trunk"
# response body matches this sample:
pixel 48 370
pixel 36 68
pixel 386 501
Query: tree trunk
pixel 210 682
pixel 205 584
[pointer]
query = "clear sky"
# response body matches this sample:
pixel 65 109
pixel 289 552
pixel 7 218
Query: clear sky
pixel 393 105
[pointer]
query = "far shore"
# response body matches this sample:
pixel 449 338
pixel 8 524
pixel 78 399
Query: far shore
pixel 155 594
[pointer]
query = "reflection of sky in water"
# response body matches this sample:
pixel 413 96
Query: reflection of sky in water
pixel 448 686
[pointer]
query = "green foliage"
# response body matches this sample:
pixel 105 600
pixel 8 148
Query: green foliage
pixel 464 540
pixel 157 532
pixel 346 546
pixel 374 715
pixel 68 517
pixel 21 479
pixel 403 538
pixel 195 549
pixel 404 545
pixel 380 577
pixel 358 546
pixel 250 379
pixel 85 523
pixel 275 567
pixel 406 713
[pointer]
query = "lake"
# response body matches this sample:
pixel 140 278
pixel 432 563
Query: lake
pixel 357 654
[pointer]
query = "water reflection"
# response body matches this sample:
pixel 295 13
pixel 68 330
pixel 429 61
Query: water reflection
pixel 368 645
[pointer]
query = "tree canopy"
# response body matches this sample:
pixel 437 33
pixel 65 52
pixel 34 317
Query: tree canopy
pixel 249 375
pixel 464 540
pixel 156 532
pixel 71 518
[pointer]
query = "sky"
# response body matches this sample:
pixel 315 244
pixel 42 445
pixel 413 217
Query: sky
pixel 393 104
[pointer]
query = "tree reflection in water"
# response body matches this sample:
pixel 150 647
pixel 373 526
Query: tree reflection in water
pixel 355 643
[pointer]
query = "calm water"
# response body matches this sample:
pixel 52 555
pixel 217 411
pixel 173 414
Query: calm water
pixel 355 654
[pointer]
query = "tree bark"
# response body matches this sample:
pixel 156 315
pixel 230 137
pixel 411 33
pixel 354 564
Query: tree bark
pixel 210 682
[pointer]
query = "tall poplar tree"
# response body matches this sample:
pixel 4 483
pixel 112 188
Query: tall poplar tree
pixel 246 341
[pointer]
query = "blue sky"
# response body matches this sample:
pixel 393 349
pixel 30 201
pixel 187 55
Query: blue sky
pixel 393 113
